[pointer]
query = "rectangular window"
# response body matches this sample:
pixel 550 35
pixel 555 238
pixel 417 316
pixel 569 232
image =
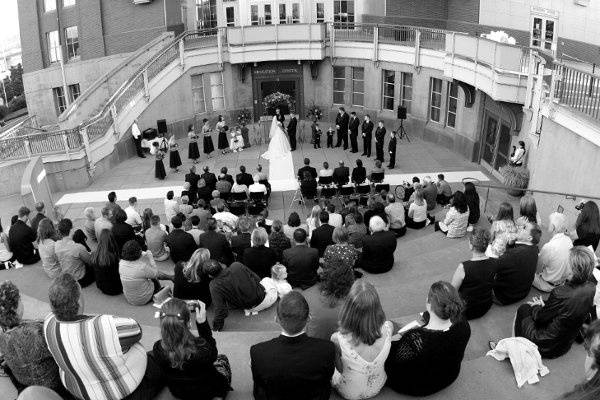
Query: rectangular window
pixel 60 102
pixel 54 50
pixel 320 13
pixel 217 93
pixel 358 86
pixel 282 14
pixel 343 14
pixel 68 3
pixel 387 101
pixel 72 41
pixel 74 91
pixel 49 5
pixel 339 84
pixel 295 13
pixel 206 14
pixel 435 100
pixel 230 16
pixel 407 83
pixel 254 14
pixel 452 104
pixel 267 14
pixel 198 93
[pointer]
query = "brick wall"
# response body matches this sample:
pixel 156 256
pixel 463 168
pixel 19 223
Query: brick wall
pixel 91 39
pixel 430 9
pixel 30 35
pixel 463 10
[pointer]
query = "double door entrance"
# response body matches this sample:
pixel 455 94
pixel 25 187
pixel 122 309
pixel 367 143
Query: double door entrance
pixel 277 12
pixel 269 78
pixel 496 145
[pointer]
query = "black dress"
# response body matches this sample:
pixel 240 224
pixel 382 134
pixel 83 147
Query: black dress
pixel 174 158
pixel 107 277
pixel 476 288
pixel 222 142
pixel 208 145
pixel 159 170
pixel 193 151
pixel 182 289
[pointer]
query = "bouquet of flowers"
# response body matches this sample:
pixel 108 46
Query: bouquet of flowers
pixel 278 99
pixel 314 113
pixel 244 117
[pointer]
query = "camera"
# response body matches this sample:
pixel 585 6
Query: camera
pixel 579 206
pixel 192 304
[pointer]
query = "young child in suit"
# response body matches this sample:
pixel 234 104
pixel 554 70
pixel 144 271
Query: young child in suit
pixel 330 133
pixel 316 136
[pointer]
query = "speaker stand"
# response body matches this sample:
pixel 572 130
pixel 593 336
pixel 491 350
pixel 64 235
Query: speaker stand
pixel 402 132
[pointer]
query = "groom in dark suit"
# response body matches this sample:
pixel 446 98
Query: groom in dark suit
pixel 353 128
pixel 291 130
pixel 341 123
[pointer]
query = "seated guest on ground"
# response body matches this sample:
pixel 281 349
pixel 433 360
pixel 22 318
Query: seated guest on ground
pixel 79 237
pixel 473 204
pixel 396 216
pixel 46 240
pixel 195 231
pixel 430 193
pixel 112 205
pixel 301 261
pixel 189 365
pixel 278 279
pixel 223 185
pixel 216 199
pixel 238 186
pixel 171 206
pixel 26 359
pixel 122 231
pixel 587 226
pixel 156 240
pixel 374 207
pixel 21 238
pixel 236 287
pixel 409 188
pixel 5 254
pixel 244 177
pixel 241 241
pixel 181 244
pixel 263 221
pixel 357 231
pixel 292 366
pixel 474 279
pixel 456 220
pixel 258 257
pixel 307 167
pixel 89 224
pixel 133 216
pixel 502 231
pixel 378 248
pixel 293 223
pixel 189 280
pixel 377 169
pixel 191 196
pixel 516 267
pixel 326 171
pixel 359 173
pixel 312 222
pixel 227 176
pixel 228 219
pixel 323 235
pixel 40 215
pixel 444 190
pixel 527 211
pixel 590 388
pixel 278 241
pixel 362 342
pixel 103 222
pixel 553 261
pixel 139 274
pixel 257 187
pixel 73 258
pixel 109 340
pixel 146 216
pixel 216 243
pixel 308 186
pixel 185 208
pixel 204 191
pixel 341 175
pixel 554 324
pixel 335 219
pixel 105 262
pixel 427 359
pixel 341 253
pixel 203 212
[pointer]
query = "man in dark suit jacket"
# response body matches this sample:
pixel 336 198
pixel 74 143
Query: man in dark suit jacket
pixel 293 366
pixel 341 175
pixel 181 244
pixel 517 266
pixel 323 235
pixel 216 243
pixel 379 139
pixel 308 168
pixel 244 178
pixel 378 248
pixel 392 150
pixel 353 128
pixel 291 130
pixel 241 241
pixel 301 261
pixel 193 179
pixel 21 238
pixel 341 124
pixel 227 176
pixel 367 133
pixel 209 178
pixel 35 221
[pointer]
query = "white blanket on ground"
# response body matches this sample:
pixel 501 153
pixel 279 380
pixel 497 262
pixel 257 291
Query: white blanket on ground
pixel 524 357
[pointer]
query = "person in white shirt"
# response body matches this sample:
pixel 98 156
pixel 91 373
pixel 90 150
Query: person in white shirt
pixel 335 219
pixel 226 217
pixel 137 138
pixel 326 171
pixel 133 217
pixel 553 260
pixel 195 231
pixel 519 156
pixel 278 280
pixel 261 175
pixel 171 206
pixel 257 187
pixel 239 187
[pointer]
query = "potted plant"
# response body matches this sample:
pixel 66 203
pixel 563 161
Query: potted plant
pixel 515 178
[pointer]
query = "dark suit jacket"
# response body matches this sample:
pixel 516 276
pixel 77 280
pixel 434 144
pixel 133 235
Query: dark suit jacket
pixel 244 178
pixel 353 125
pixel 182 245
pixel 35 221
pixel 378 252
pixel 260 260
pixel 515 271
pixel 193 179
pixel 359 174
pixel 321 238
pixel 367 128
pixel 20 241
pixel 341 175
pixel 302 263
pixel 229 179
pixel 292 368
pixel 392 145
pixel 308 168
pixel 342 121
pixel 240 243
pixel 122 232
pixel 291 128
pixel 218 246
pixel 380 135
pixel 210 179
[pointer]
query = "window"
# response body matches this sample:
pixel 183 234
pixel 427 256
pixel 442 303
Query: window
pixel 49 5
pixel 54 49
pixel 435 99
pixel 216 91
pixel 68 3
pixel 339 84
pixel 358 86
pixel 267 14
pixel 74 91
pixel 230 16
pixel 387 102
pixel 72 41
pixel 198 93
pixel 282 14
pixel 320 13
pixel 542 33
pixel 407 83
pixel 452 104
pixel 295 13
pixel 343 14
pixel 206 14
pixel 60 103
pixel 254 14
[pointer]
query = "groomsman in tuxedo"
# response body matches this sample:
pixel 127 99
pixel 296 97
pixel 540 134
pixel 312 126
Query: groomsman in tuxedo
pixel 291 130
pixel 353 128
pixel 379 138
pixel 392 150
pixel 367 133
pixel 341 123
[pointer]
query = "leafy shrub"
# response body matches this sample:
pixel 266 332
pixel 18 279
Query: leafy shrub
pixel 17 103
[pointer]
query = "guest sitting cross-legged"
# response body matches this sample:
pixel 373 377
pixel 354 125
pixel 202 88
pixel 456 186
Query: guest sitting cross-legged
pixel 416 217
pixel 341 253
pixel 502 231
pixel 88 225
pixel 553 261
pixel 362 342
pixel 156 239
pixel 121 230
pixel 322 236
pixel 278 241
pixel 46 241
pixel 189 365
pixel 301 261
pixel 427 359
pixel 396 216
pixel 103 222
pixel 378 248
pixel 181 244
pixel 73 257
pixel 105 262
pixel 456 220
pixel 292 366
pixel 242 241
pixel 258 257
pixel 589 389
pixel 189 280
pixel 216 243
pixel 21 238
pixel 553 324
pixel 293 223
pixel 357 231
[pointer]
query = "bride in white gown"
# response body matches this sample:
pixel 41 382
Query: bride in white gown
pixel 279 146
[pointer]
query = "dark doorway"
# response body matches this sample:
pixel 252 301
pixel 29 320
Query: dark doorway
pixel 286 87
pixel 284 77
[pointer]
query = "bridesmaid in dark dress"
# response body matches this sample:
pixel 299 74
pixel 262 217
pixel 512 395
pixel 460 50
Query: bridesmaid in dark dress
pixel 209 147
pixel 159 170
pixel 222 143
pixel 174 158
pixel 193 151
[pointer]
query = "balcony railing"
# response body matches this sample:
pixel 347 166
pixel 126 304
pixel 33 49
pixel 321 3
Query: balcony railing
pixel 577 89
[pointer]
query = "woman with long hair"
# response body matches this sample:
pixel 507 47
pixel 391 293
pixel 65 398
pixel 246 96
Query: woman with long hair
pixel 502 232
pixel 313 221
pixel 193 151
pixel 456 221
pixel 146 219
pixel 46 239
pixel 363 344
pixel 222 128
pixel 207 143
pixel 587 226
pixel 293 223
pixel 473 203
pixel 189 282
pixel 5 254
pixel 417 211
pixel 189 365
pixel 590 388
pixel 105 261
pixel 527 211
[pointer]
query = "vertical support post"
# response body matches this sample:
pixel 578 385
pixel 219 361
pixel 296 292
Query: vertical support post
pixel 528 94
pixel 219 47
pixel 375 43
pixel 182 53
pixel 553 83
pixel 27 147
pixel 146 88
pixel 65 142
pixel 332 39
pixel 86 144
pixel 113 113
pixel 417 48
pixel 487 196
